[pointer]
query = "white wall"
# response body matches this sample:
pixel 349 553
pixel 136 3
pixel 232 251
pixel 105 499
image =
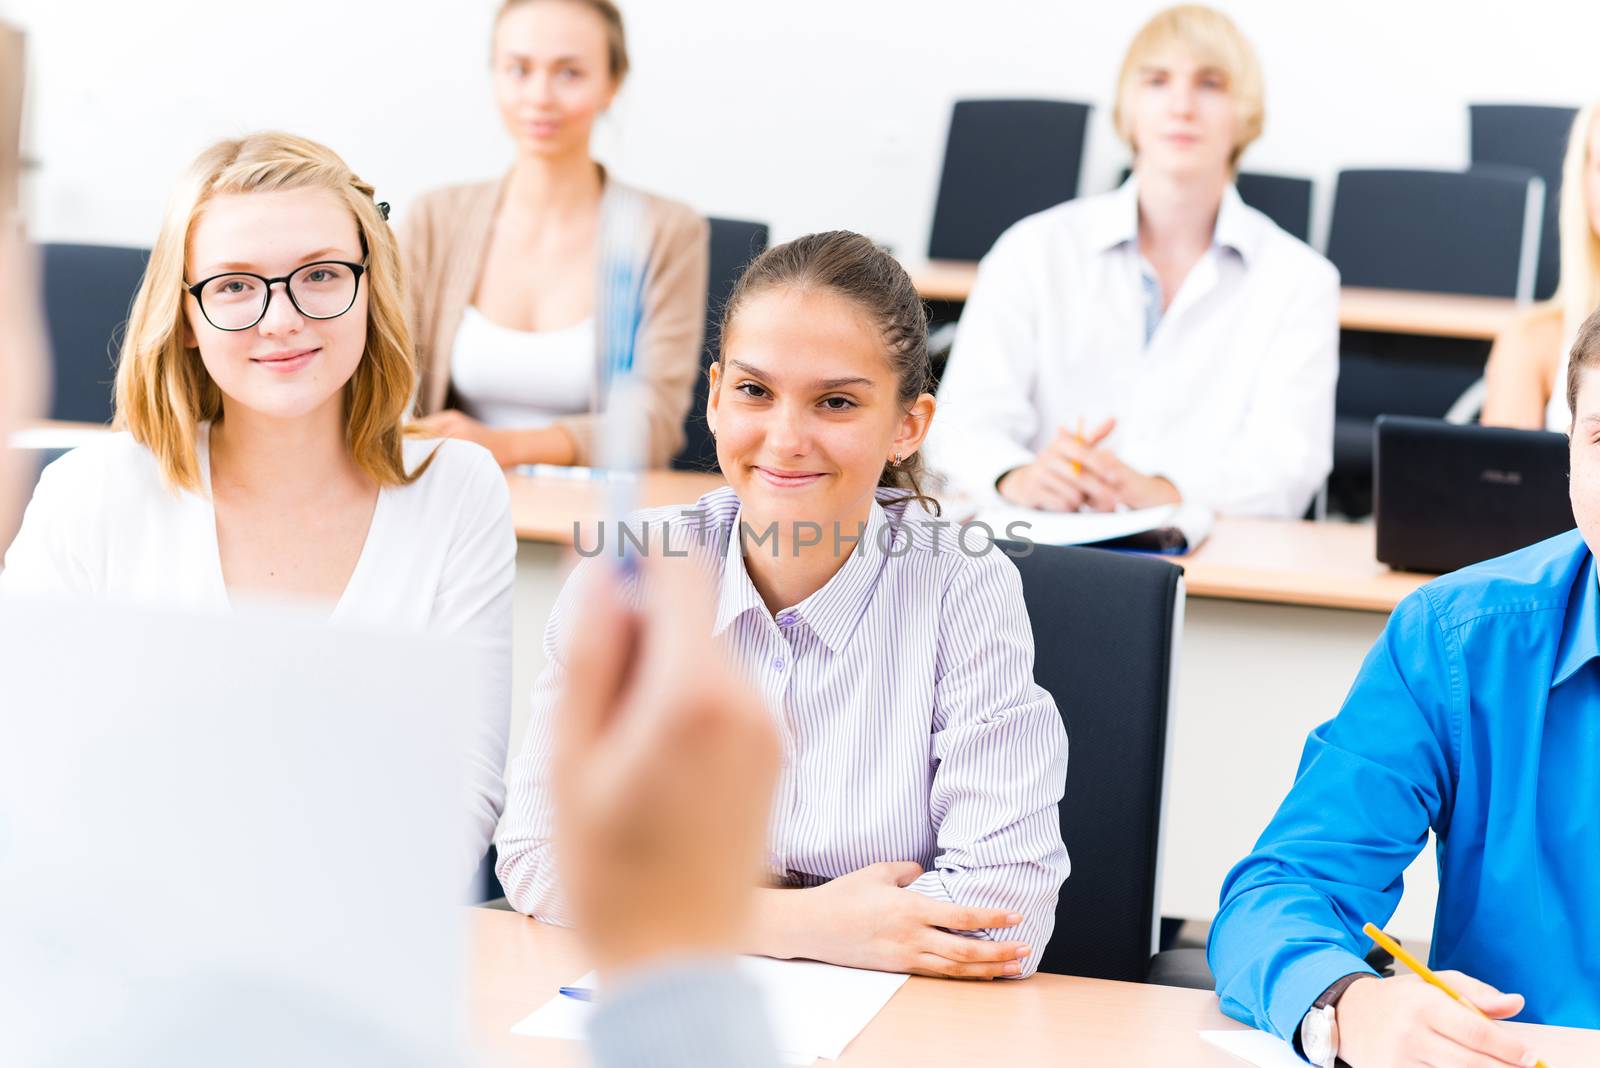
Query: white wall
pixel 807 115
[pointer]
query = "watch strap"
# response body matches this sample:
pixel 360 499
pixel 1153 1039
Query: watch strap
pixel 1329 998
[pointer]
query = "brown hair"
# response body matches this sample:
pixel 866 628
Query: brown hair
pixel 1585 354
pixel 850 265
pixel 163 390
pixel 610 15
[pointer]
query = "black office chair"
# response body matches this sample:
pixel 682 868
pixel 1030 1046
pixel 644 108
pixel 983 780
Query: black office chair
pixel 1472 232
pixel 88 290
pixel 734 243
pixel 1283 199
pixel 1003 160
pixel 1536 138
pixel 1105 629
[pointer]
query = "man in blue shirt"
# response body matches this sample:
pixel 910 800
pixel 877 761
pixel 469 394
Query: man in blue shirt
pixel 1477 715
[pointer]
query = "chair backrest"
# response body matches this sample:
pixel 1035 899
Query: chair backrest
pixel 1106 627
pixel 1534 137
pixel 88 290
pixel 1283 199
pixel 1474 232
pixel 734 243
pixel 1003 160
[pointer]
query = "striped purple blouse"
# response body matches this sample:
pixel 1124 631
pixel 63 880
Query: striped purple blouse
pixel 903 689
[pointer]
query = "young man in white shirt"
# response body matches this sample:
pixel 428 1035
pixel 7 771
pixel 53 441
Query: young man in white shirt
pixel 1160 343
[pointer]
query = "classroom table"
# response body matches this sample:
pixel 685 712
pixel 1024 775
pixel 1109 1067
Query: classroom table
pixel 1392 311
pixel 517 964
pixel 1278 619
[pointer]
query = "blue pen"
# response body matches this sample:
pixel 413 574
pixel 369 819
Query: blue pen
pixel 624 424
pixel 577 993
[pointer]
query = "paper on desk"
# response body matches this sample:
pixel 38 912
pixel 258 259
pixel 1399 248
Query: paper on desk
pixel 816 1009
pixel 1088 528
pixel 1257 1047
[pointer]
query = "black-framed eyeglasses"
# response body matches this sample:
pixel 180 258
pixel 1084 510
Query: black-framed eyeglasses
pixel 239 300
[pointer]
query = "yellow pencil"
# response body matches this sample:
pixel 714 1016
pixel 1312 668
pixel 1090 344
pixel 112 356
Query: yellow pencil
pixel 1399 953
pixel 1077 468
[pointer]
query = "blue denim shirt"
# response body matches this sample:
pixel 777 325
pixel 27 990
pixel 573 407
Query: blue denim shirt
pixel 1476 714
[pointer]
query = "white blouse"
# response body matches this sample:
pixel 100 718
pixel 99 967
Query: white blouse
pixel 1228 392
pixel 440 555
pixel 517 378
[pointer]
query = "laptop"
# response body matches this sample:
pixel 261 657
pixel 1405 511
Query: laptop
pixel 228 840
pixel 1447 495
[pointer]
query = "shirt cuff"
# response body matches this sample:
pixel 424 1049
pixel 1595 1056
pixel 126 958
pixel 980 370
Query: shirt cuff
pixel 681 1015
pixel 1298 987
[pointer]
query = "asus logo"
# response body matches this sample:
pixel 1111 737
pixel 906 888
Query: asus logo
pixel 1501 478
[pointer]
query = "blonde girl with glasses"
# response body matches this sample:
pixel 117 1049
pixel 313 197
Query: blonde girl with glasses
pixel 259 453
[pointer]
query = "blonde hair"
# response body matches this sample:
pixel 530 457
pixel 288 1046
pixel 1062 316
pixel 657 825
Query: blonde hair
pixel 610 15
pixel 1578 292
pixel 1214 39
pixel 163 390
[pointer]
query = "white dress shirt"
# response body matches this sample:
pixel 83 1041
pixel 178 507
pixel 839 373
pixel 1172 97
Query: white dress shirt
pixel 903 692
pixel 1228 393
pixel 440 555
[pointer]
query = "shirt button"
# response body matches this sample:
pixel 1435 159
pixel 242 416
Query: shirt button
pixel 786 620
pixel 777 664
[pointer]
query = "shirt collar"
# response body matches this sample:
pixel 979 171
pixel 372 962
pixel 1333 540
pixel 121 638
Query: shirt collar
pixel 1580 633
pixel 831 612
pixel 1118 224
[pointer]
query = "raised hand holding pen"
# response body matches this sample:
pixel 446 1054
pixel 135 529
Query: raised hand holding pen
pixel 664 768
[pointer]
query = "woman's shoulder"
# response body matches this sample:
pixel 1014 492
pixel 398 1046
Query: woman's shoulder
pixel 1537 329
pixel 457 471
pixel 114 466
pixel 104 485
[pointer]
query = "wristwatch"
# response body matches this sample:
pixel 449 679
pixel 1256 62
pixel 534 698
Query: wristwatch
pixel 1319 1029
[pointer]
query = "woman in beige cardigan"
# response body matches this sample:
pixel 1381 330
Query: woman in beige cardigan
pixel 503 273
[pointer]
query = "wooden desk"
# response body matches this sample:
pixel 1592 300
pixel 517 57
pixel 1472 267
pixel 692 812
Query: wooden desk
pixel 1395 311
pixel 1324 565
pixel 517 964
pixel 1390 311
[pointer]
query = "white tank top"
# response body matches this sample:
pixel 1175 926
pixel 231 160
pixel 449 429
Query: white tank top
pixel 517 378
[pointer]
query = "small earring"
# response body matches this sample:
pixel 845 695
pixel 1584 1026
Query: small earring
pixel 896 461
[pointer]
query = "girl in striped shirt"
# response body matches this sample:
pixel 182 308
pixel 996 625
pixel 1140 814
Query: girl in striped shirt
pixel 915 826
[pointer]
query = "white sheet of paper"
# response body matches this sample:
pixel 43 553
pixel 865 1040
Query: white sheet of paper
pixel 816 1010
pixel 1072 528
pixel 1257 1047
